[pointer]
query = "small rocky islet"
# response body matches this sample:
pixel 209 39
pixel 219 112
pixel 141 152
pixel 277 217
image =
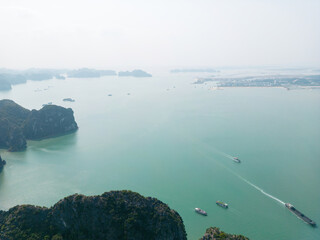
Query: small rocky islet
pixel 68 100
pixel 18 124
pixel 214 233
pixel 135 73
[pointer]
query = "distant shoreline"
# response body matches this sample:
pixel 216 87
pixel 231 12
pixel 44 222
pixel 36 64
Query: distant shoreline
pixel 288 88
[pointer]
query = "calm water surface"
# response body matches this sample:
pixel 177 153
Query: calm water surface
pixel 173 140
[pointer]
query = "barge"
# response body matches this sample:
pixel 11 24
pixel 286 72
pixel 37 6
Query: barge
pixel 222 204
pixel 300 214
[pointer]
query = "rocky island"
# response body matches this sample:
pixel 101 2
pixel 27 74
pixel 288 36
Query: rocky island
pixel 90 73
pixel 214 233
pixel 112 215
pixel 18 124
pixel 2 163
pixel 9 77
pixel 33 74
pixel 134 73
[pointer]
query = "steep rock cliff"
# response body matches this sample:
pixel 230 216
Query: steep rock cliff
pixel 18 124
pixel 49 121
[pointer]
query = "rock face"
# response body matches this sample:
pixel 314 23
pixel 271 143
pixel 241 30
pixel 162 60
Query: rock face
pixel 2 163
pixel 50 121
pixel 214 233
pixel 18 124
pixel 112 215
pixel 12 117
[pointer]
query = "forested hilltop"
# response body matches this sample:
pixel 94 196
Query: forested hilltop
pixel 113 215
pixel 214 233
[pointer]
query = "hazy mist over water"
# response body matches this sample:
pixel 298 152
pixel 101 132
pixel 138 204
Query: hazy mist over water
pixel 140 33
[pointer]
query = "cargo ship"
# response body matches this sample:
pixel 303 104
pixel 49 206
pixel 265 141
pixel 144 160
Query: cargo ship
pixel 300 215
pixel 222 204
pixel 200 211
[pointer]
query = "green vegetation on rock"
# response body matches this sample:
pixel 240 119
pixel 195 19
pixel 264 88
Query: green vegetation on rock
pixel 18 124
pixel 214 233
pixel 112 215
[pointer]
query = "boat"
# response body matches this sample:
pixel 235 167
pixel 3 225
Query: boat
pixel 68 100
pixel 300 215
pixel 236 159
pixel 222 204
pixel 200 211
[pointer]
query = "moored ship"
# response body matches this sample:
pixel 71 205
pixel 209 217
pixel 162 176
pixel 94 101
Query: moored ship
pixel 222 204
pixel 200 211
pixel 300 215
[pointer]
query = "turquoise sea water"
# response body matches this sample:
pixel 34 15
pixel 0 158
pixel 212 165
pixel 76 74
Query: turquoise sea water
pixel 174 140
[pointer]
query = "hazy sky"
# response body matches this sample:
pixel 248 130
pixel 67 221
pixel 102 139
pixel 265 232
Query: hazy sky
pixel 107 33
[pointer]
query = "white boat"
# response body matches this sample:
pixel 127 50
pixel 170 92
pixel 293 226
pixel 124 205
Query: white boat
pixel 236 159
pixel 200 211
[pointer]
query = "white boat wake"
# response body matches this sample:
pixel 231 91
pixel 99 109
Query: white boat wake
pixel 245 180
pixel 47 150
pixel 225 154
pixel 260 189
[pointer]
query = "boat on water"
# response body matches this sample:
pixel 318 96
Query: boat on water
pixel 200 211
pixel 236 159
pixel 300 214
pixel 222 204
pixel 68 100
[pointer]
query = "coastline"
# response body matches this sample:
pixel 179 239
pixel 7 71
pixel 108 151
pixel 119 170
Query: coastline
pixel 298 87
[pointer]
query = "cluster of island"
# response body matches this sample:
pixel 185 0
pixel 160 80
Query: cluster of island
pixel 9 77
pixel 285 81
